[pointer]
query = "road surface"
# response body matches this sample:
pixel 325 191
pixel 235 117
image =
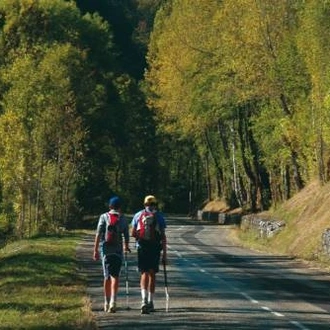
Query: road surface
pixel 214 284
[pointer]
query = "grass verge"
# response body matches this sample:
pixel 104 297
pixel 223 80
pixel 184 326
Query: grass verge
pixel 40 286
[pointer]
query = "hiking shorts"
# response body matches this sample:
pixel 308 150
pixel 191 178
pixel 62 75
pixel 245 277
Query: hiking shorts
pixel 148 257
pixel 111 265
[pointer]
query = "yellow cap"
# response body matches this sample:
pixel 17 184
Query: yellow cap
pixel 149 200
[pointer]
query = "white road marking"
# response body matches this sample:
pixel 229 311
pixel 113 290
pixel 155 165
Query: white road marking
pixel 249 298
pixel 245 295
pixel 278 314
pixel 299 325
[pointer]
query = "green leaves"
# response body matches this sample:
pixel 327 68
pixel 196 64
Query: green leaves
pixel 47 76
pixel 256 69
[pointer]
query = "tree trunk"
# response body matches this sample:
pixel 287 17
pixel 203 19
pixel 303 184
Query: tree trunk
pixel 219 172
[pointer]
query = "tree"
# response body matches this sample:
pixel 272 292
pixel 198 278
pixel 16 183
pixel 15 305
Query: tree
pixel 46 105
pixel 316 29
pixel 237 61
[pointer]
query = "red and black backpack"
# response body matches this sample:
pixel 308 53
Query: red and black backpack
pixel 148 227
pixel 112 229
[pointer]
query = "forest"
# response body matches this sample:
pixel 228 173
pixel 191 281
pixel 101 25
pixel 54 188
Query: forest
pixel 192 101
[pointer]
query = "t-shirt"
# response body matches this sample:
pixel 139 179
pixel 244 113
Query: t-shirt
pixel 107 249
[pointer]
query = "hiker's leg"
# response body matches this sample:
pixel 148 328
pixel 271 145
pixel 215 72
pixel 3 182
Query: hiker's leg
pixel 114 269
pixel 144 284
pixel 115 265
pixel 114 287
pixel 153 269
pixel 152 281
pixel 151 289
pixel 106 280
pixel 114 291
pixel 107 289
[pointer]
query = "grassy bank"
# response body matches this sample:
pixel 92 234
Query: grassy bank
pixel 306 216
pixel 40 287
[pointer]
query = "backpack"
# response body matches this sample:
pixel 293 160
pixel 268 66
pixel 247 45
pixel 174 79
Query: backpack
pixel 148 227
pixel 112 229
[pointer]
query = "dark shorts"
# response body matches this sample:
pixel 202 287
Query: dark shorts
pixel 148 256
pixel 111 265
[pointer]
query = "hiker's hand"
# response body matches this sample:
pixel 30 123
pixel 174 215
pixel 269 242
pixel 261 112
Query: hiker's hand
pixel 96 255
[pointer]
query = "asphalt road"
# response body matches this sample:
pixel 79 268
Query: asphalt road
pixel 214 284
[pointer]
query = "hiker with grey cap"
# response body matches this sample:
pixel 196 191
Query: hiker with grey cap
pixel 109 247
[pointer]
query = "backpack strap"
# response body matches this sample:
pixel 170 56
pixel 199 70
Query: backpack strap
pixel 111 219
pixel 112 228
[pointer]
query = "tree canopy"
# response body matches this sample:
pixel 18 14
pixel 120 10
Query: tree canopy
pixel 188 100
pixel 240 79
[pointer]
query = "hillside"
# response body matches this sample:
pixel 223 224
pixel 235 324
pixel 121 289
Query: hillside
pixel 306 215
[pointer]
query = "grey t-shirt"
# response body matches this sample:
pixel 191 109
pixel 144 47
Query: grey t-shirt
pixel 107 249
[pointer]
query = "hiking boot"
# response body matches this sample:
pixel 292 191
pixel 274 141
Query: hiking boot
pixel 144 308
pixel 106 306
pixel 151 307
pixel 112 308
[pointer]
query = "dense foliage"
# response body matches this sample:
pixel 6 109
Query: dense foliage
pixel 189 100
pixel 248 81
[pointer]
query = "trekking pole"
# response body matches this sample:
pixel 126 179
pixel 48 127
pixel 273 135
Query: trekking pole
pixel 166 286
pixel 126 275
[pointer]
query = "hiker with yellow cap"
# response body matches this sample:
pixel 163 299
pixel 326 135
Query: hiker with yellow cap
pixel 148 228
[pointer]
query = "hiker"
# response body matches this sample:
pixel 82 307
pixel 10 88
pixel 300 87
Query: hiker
pixel 148 228
pixel 111 228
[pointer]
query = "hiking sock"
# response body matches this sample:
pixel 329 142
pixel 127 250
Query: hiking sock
pixel 144 293
pixel 150 296
pixel 106 303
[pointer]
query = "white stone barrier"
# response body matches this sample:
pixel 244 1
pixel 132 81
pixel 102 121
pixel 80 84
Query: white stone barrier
pixel 326 241
pixel 265 227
